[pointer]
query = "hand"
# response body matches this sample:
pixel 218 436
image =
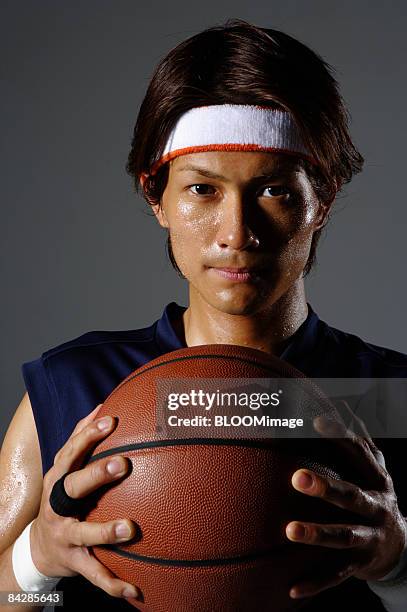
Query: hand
pixel 59 544
pixel 374 550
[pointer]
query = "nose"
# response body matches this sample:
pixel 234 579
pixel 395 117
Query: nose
pixel 233 229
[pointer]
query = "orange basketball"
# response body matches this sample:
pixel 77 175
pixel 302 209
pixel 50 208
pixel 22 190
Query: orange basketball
pixel 211 511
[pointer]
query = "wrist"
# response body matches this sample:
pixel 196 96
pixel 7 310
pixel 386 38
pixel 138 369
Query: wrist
pixel 39 558
pixel 26 573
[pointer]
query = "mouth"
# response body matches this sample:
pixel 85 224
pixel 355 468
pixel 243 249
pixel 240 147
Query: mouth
pixel 237 274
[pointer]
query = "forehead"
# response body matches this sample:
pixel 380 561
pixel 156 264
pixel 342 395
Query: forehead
pixel 233 163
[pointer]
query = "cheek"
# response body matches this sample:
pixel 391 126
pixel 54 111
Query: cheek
pixel 189 215
pixel 289 226
pixel 304 215
pixel 296 253
pixel 191 231
pixel 295 231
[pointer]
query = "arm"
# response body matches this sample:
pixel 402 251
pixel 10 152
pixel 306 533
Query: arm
pixel 392 588
pixel 376 546
pixel 58 544
pixel 20 489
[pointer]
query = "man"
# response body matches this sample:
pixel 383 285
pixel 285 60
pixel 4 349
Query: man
pixel 241 166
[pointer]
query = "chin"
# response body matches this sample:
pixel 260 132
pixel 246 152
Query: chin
pixel 236 306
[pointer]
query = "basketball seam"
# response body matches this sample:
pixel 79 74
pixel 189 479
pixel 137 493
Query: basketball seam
pixel 289 369
pixel 191 562
pixel 183 442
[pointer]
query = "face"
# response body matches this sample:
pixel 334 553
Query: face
pixel 233 210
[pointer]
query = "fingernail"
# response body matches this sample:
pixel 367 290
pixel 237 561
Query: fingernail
pixel 115 466
pixel 327 426
pixel 319 422
pixel 130 591
pixel 122 530
pixel 104 423
pixel 296 531
pixel 303 480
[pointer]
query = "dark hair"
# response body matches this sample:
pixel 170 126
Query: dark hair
pixel 240 63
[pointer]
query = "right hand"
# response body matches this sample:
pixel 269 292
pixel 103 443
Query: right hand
pixel 59 544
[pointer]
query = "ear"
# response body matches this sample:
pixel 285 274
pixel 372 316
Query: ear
pixel 142 179
pixel 157 208
pixel 160 215
pixel 325 208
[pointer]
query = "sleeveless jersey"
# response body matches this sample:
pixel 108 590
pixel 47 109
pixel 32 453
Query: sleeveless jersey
pixel 68 381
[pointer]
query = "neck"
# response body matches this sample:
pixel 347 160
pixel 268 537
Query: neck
pixel 268 330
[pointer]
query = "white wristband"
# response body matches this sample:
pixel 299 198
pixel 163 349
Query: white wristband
pixel 25 572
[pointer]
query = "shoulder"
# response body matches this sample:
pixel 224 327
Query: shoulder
pixel 86 368
pixel 136 346
pixel 373 359
pixel 91 351
pixel 96 338
pixel 70 379
pixel 90 364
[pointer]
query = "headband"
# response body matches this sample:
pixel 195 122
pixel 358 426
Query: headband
pixel 233 127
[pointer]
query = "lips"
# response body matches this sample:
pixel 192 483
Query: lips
pixel 237 270
pixel 237 274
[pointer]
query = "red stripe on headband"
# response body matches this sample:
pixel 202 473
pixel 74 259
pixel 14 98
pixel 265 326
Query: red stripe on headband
pixel 226 147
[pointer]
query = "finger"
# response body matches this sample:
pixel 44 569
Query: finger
pixel 86 533
pixel 318 583
pixel 359 428
pixel 86 420
pixel 90 478
pixel 87 565
pixel 80 425
pixel 330 536
pixel 74 451
pixel 341 493
pixel 357 449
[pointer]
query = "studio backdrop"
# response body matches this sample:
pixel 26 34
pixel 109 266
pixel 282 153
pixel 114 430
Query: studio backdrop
pixel 82 252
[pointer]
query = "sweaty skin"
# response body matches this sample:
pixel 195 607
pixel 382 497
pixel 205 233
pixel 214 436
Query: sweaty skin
pixel 229 214
pixel 243 219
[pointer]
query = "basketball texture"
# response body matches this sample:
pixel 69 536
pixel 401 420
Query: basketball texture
pixel 211 513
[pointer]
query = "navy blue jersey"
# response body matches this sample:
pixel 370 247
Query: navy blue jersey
pixel 68 381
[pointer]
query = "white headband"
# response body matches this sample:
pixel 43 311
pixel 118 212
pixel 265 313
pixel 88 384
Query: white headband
pixel 233 127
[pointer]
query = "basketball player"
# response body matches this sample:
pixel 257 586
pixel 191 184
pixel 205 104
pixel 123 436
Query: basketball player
pixel 240 147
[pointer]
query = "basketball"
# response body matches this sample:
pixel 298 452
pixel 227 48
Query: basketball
pixel 211 511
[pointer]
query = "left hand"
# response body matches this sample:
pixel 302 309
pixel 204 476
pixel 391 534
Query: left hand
pixel 374 550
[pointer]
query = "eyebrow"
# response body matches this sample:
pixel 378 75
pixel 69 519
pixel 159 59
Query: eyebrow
pixel 269 174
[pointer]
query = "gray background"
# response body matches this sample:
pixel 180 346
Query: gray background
pixel 79 251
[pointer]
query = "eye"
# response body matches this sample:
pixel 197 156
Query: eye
pixel 276 190
pixel 203 187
